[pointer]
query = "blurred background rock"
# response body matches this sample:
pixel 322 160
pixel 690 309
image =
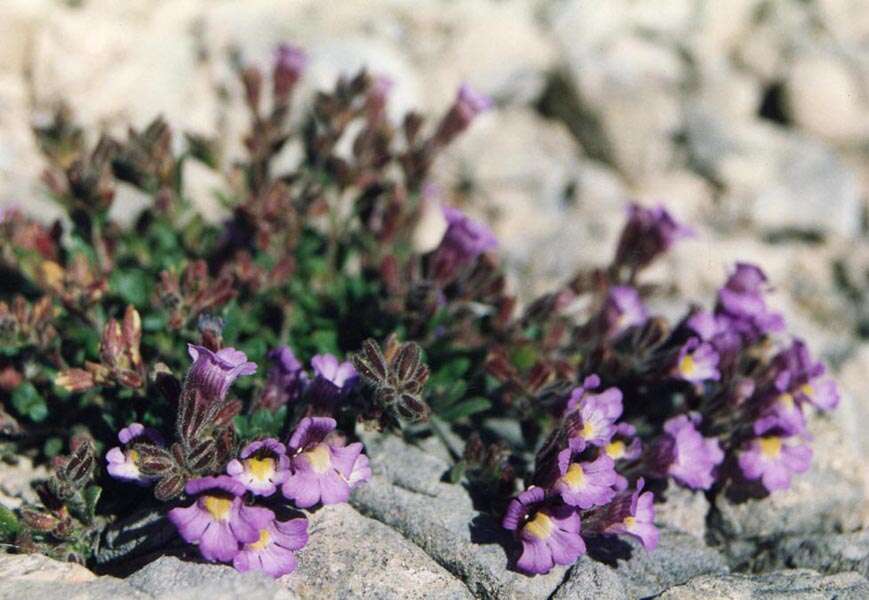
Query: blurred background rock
pixel 749 119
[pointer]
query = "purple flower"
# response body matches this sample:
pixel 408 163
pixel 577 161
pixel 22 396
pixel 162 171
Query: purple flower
pixel 648 233
pixel 697 362
pixel 333 379
pixel 742 305
pixel 805 378
pixel 273 552
pixel 772 460
pixel 622 308
pixel 587 484
pixel 263 466
pixel 464 240
pixel 217 521
pixel 684 454
pixel 213 372
pixel 550 535
pixel 631 513
pixel 591 417
pixel 290 63
pixel 286 380
pixel 321 471
pixel 782 414
pixel 123 464
pixel 360 473
pixel 466 107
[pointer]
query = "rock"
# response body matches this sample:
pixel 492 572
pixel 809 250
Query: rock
pixel 352 556
pixel 823 96
pixel 169 578
pixel 827 553
pixel 776 179
pixel 683 510
pixel 591 580
pixel 798 584
pixel 16 482
pixel 34 577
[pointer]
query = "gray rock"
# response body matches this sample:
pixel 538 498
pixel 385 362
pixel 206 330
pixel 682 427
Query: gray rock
pixel 351 556
pixel 446 526
pixel 799 584
pixel 169 578
pixel 775 178
pixel 406 466
pixel 591 580
pixel 37 577
pixel 683 510
pixel 830 553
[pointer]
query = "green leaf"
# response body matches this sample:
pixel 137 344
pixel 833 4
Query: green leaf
pixel 91 497
pixel 465 409
pixel 458 471
pixel 9 525
pixel 52 447
pixel 132 285
pixel 524 357
pixel 29 403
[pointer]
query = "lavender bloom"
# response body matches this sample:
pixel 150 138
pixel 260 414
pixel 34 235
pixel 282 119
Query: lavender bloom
pixel 550 535
pixel 263 466
pixel 286 379
pixel 273 552
pixel 684 454
pixel 741 303
pixel 217 521
pixel 333 379
pixel 648 233
pixel 805 378
pixel 622 308
pixel 631 513
pixel 466 107
pixel 360 473
pixel 697 362
pixel 321 472
pixel 213 372
pixel 588 484
pixel 774 461
pixel 623 446
pixel 591 417
pixel 123 464
pixel 290 63
pixel 464 240
pixel 783 414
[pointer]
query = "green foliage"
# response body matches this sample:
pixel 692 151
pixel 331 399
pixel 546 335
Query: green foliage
pixel 29 403
pixel 8 524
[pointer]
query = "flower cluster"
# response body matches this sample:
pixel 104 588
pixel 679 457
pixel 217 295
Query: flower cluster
pixel 232 516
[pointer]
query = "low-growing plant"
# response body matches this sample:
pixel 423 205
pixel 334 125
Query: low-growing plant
pixel 132 357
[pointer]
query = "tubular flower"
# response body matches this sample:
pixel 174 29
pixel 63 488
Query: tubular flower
pixel 591 417
pixel 263 466
pixel 320 471
pixel 805 378
pixel 684 454
pixel 464 240
pixel 774 461
pixel 273 551
pixel 550 535
pixel 742 306
pixel 697 362
pixel 333 379
pixel 213 372
pixel 466 107
pixel 630 513
pixel 123 464
pixel 622 308
pixel 286 379
pixel 588 484
pixel 217 521
pixel 648 233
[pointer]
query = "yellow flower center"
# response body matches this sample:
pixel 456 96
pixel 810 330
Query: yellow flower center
pixel 687 365
pixel 588 430
pixel 786 400
pixel 319 458
pixel 261 468
pixel 262 542
pixel 540 526
pixel 615 449
pixel 770 446
pixel 630 521
pixel 575 476
pixel 807 389
pixel 218 507
pixel 133 456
